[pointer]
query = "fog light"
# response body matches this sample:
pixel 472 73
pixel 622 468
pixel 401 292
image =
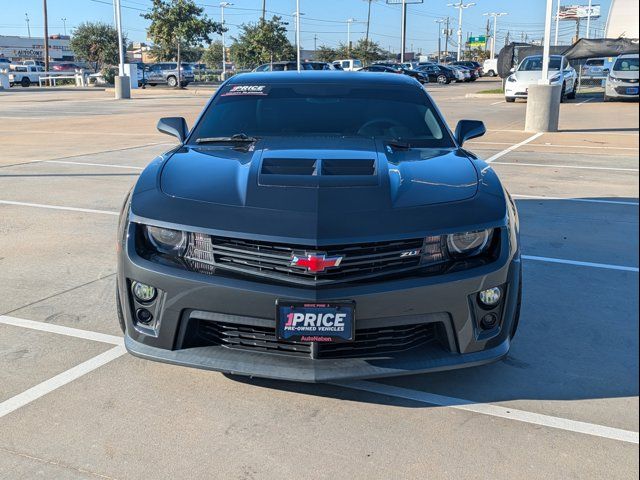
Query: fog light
pixel 490 297
pixel 144 316
pixel 489 321
pixel 144 293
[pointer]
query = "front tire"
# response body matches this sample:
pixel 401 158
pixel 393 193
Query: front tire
pixel 491 73
pixel 25 82
pixel 442 79
pixel 172 82
pixel 572 95
pixel 563 93
pixel 510 99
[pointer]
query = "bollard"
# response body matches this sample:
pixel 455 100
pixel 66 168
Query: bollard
pixel 123 87
pixel 543 108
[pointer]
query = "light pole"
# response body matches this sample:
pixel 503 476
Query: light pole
pixel 495 30
pixel 64 25
pixel 223 5
pixel 299 63
pixel 439 22
pixel 120 42
pixel 26 17
pixel 557 22
pixel 589 20
pixel 404 31
pixel 460 6
pixel 349 22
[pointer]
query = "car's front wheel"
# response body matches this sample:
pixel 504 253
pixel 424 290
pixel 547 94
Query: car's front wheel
pixel 574 91
pixel 442 79
pixel 510 99
pixel 25 82
pixel 172 82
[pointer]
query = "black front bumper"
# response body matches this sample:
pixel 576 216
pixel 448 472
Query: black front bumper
pixel 447 300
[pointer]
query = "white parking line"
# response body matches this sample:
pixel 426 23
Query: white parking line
pixel 495 411
pixel 579 167
pixel 57 207
pixel 584 101
pixel 582 200
pixel 68 376
pixel 552 145
pixel 514 147
pixel 61 330
pixel 497 103
pixel 93 164
pixel 563 261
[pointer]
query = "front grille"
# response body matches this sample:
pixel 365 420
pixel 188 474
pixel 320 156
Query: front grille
pixel 205 254
pixel 368 341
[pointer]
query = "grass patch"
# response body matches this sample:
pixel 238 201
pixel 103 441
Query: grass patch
pixel 489 92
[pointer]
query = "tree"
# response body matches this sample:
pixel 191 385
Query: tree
pixel 367 51
pixel 325 54
pixel 212 56
pixel 179 24
pixel 262 42
pixel 96 43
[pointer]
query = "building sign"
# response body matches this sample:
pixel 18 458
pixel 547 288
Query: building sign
pixel 576 12
pixel 23 48
pixel 477 42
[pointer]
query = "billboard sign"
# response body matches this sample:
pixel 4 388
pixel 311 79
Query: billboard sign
pixel 577 12
pixel 477 42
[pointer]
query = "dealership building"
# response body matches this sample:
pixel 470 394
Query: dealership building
pixel 24 48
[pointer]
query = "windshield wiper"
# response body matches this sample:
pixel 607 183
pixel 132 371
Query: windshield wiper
pixel 237 138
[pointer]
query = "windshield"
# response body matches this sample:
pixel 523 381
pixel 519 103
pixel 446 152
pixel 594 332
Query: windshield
pixel 626 64
pixel 399 113
pixel 534 64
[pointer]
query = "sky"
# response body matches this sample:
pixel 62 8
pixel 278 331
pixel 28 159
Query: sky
pixel 324 22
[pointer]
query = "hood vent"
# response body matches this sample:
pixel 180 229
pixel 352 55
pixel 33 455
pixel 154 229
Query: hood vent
pixel 309 172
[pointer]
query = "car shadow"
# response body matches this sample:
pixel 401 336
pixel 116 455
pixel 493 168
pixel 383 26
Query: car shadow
pixel 578 334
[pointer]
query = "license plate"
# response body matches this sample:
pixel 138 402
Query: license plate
pixel 315 322
pixel 632 91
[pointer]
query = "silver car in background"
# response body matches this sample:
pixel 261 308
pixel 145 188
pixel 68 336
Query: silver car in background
pixel 622 82
pixel 529 72
pixel 167 73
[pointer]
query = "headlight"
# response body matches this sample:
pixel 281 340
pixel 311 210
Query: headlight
pixel 468 243
pixel 556 78
pixel 512 79
pixel 613 79
pixel 166 240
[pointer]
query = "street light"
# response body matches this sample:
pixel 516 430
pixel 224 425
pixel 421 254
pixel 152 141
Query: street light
pixel 495 30
pixel 223 5
pixel 26 17
pixel 440 22
pixel 64 25
pixel 299 64
pixel 460 6
pixel 349 22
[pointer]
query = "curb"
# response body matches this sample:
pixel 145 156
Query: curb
pixel 484 95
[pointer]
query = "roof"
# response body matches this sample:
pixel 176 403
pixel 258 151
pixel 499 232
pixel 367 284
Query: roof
pixel 323 76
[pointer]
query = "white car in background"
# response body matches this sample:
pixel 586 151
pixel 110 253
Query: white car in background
pixel 349 65
pixel 490 67
pixel 529 72
pixel 622 82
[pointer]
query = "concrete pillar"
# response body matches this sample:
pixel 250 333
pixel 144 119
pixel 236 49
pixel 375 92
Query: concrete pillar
pixel 123 87
pixel 543 108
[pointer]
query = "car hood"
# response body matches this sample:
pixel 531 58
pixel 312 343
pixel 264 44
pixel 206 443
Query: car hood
pixel 353 174
pixel 532 76
pixel 341 190
pixel 625 75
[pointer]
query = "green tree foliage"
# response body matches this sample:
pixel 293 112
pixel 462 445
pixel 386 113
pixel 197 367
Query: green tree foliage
pixel 367 51
pixel 262 42
pixel 212 56
pixel 325 54
pixel 179 25
pixel 96 43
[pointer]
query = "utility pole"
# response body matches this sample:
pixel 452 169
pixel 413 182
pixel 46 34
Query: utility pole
pixel 439 22
pixel 366 38
pixel 487 33
pixel 224 5
pixel 298 35
pixel 264 10
pixel 589 20
pixel 349 22
pixel 577 29
pixel 64 25
pixel 26 17
pixel 315 43
pixel 460 6
pixel 557 22
pixel 447 32
pixel 46 38
pixel 495 30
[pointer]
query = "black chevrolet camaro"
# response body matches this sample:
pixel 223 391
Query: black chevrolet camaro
pixel 319 226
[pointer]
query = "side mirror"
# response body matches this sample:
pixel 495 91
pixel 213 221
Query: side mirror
pixel 175 126
pixel 468 129
pixel 513 70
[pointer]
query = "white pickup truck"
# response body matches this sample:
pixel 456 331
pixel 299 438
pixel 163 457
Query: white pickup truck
pixel 24 75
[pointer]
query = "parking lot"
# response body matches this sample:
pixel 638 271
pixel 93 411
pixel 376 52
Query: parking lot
pixel 74 405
